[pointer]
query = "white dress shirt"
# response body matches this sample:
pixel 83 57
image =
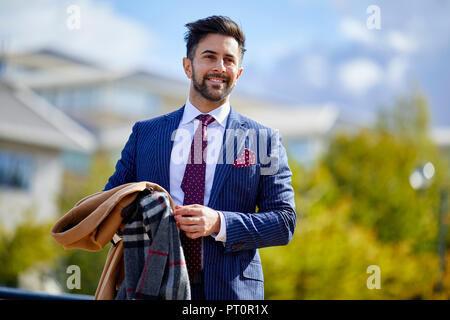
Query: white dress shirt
pixel 181 149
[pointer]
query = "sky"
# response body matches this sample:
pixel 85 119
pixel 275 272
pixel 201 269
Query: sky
pixel 299 52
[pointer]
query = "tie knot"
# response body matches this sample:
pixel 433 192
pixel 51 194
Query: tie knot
pixel 205 119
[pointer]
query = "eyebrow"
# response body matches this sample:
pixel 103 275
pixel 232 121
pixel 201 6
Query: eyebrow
pixel 213 52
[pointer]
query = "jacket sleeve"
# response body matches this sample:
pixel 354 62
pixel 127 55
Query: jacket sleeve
pixel 274 223
pixel 126 166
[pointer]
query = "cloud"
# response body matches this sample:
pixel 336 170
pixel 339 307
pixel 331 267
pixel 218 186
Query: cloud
pixel 400 42
pixel 359 75
pixel 104 36
pixel 356 30
pixel 396 71
pixel 315 70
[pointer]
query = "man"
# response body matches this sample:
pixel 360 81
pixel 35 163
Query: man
pixel 188 153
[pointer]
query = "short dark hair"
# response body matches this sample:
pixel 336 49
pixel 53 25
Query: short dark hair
pixel 213 24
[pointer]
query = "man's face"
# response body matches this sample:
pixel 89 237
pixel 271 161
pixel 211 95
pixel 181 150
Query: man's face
pixel 215 66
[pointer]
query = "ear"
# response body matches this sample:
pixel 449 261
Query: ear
pixel 239 73
pixel 187 66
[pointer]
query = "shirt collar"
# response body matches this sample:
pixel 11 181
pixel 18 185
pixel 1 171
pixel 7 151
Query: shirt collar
pixel 219 114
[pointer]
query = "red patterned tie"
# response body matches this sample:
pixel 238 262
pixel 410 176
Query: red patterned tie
pixel 193 185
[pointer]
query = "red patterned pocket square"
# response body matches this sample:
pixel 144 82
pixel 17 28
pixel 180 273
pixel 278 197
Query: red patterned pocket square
pixel 247 158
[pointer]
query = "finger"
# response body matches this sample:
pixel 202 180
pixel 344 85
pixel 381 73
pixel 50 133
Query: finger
pixel 185 220
pixel 185 209
pixel 186 206
pixel 190 228
pixel 177 209
pixel 193 235
pixel 189 211
pixel 188 220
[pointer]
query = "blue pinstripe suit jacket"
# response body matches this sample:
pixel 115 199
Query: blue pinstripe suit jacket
pixel 231 271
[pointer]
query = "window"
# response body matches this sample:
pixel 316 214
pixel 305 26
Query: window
pixel 15 170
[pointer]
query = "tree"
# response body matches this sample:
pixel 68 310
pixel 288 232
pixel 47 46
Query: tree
pixel 357 209
pixel 27 246
pixel 75 188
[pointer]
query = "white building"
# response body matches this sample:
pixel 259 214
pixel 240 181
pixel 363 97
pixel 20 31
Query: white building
pixel 33 135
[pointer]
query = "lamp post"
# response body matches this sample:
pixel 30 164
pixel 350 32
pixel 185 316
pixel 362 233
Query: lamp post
pixel 442 238
pixel 422 176
pixel 420 179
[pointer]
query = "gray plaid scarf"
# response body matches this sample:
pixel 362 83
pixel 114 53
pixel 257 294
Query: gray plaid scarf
pixel 153 257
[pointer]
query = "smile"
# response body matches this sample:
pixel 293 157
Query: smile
pixel 216 80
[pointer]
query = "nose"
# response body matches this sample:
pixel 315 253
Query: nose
pixel 219 66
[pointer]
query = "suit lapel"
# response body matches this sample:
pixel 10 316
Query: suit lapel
pixel 222 171
pixel 171 122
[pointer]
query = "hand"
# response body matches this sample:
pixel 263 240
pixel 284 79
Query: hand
pixel 197 220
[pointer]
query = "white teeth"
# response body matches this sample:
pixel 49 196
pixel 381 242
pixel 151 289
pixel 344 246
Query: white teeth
pixel 216 80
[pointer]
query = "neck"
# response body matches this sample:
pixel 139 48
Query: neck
pixel 205 105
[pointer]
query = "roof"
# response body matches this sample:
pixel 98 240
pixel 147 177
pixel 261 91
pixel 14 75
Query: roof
pixel 30 119
pixel 46 58
pixel 63 56
pixel 58 69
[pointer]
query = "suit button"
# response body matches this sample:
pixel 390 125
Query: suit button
pixel 238 246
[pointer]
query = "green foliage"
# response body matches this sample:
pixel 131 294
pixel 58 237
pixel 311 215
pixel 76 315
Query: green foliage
pixel 374 168
pixel 329 256
pixel 91 266
pixel 90 263
pixel 408 119
pixel 356 208
pixel 24 247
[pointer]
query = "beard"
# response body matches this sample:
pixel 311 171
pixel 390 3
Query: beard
pixel 209 92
